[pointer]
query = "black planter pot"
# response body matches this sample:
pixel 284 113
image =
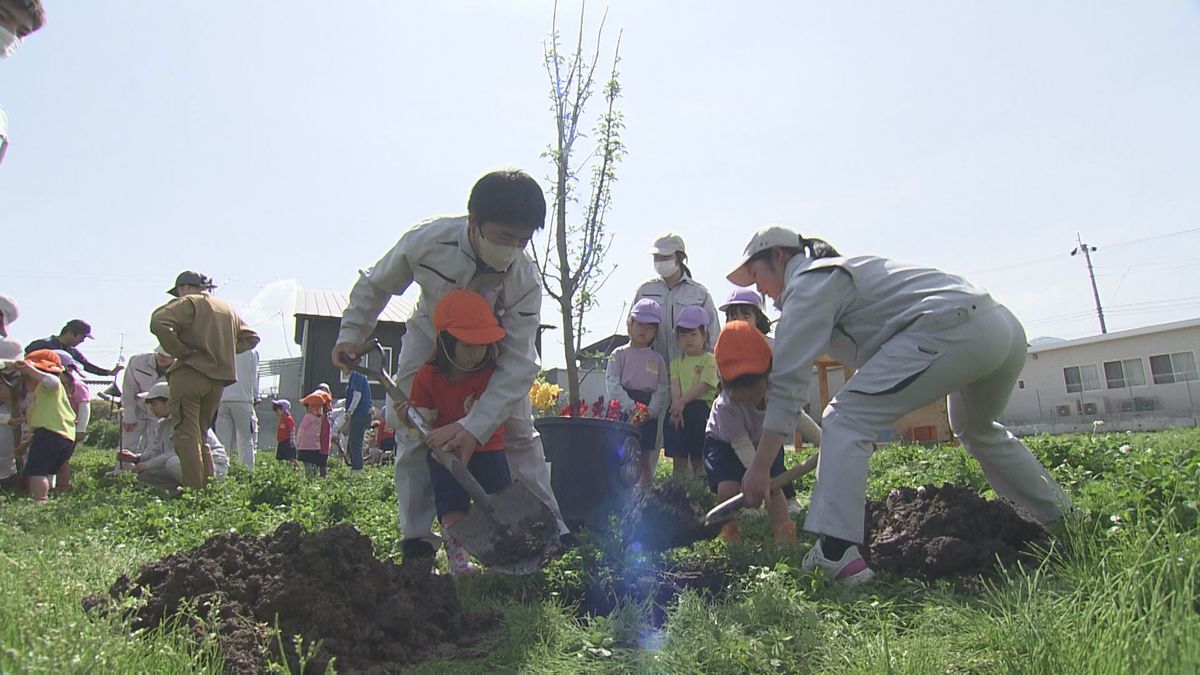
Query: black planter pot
pixel 593 466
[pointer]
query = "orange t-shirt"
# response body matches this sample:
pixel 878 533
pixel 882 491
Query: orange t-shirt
pixel 453 400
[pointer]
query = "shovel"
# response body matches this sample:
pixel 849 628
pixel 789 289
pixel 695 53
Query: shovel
pixel 726 510
pixel 511 531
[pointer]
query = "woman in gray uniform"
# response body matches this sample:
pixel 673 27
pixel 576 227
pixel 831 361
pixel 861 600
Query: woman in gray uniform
pixel 673 288
pixel 915 335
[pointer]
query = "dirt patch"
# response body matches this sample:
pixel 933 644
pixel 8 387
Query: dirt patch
pixel 326 586
pixel 663 518
pixel 937 532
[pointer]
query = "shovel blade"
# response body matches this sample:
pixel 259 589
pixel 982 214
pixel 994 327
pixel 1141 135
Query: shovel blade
pixel 512 533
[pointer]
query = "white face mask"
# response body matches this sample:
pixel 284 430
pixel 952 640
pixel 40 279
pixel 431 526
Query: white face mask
pixel 8 43
pixel 496 256
pixel 666 268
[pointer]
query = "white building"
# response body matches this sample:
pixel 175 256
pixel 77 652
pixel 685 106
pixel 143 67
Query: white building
pixel 1142 379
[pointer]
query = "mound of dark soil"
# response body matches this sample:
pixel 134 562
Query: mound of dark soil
pixel 936 532
pixel 326 586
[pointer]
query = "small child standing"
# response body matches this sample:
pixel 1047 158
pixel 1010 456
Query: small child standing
pixel 50 420
pixel 693 388
pixel 444 390
pixel 80 399
pixel 735 425
pixel 285 449
pixel 312 442
pixel 638 374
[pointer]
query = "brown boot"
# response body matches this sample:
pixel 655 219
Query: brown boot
pixel 785 533
pixel 731 533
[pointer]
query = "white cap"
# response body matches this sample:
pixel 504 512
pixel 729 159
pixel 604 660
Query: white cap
pixel 668 243
pixel 766 238
pixel 8 307
pixel 159 390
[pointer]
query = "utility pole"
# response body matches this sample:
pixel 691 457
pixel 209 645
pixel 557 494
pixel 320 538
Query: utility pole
pixel 1086 250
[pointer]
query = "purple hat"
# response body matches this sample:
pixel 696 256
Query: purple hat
pixel 692 316
pixel 646 311
pixel 283 403
pixel 743 296
pixel 68 361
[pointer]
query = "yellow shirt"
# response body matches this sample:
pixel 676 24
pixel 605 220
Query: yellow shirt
pixel 692 369
pixel 50 409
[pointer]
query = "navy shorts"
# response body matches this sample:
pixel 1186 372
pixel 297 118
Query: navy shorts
pixel 688 441
pixel 314 457
pixel 48 452
pixel 285 451
pixel 721 463
pixel 490 468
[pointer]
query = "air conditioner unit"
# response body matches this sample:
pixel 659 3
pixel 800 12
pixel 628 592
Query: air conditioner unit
pixel 1063 410
pixel 1088 407
pixel 1145 403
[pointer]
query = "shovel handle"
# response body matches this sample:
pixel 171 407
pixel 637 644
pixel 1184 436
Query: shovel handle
pixel 729 508
pixel 451 462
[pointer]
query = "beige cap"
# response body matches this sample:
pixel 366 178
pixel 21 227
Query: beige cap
pixel 159 390
pixel 770 237
pixel 668 243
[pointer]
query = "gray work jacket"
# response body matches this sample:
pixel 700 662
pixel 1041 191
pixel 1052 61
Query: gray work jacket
pixel 686 293
pixel 437 256
pixel 850 308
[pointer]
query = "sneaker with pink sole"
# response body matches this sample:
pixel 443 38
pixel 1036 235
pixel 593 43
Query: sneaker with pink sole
pixel 851 570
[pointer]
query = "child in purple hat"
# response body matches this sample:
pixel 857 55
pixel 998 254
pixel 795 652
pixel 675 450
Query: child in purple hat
pixel 638 374
pixel 693 389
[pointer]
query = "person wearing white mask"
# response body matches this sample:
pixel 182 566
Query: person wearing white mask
pixel 482 251
pixel 236 419
pixel 18 18
pixel 915 335
pixel 673 288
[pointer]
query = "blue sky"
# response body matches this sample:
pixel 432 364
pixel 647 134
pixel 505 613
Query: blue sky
pixel 274 144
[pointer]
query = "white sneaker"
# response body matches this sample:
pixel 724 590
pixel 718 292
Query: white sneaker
pixel 851 570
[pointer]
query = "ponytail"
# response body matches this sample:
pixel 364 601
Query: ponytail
pixel 682 258
pixel 818 248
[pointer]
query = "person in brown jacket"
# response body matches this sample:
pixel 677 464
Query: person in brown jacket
pixel 203 334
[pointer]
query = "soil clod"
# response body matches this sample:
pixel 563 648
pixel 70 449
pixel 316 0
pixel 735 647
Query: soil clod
pixel 934 532
pixel 326 586
pixel 662 518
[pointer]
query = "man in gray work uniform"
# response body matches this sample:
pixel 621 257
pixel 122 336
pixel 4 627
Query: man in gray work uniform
pixel 482 252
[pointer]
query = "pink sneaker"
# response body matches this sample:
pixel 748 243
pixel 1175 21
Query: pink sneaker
pixel 459 559
pixel 851 570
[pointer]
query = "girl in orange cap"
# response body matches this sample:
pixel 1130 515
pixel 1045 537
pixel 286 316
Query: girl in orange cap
pixel 312 441
pixel 50 418
pixel 445 389
pixel 735 425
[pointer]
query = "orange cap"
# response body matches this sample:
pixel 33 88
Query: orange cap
pixel 316 398
pixel 740 350
pixel 44 360
pixel 468 317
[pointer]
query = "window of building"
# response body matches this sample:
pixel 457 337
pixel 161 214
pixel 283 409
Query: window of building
pixel 1172 368
pixel 1126 373
pixel 1081 378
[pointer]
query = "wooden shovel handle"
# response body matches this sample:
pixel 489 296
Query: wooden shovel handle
pixel 728 508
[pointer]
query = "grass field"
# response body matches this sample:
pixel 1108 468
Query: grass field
pixel 1122 597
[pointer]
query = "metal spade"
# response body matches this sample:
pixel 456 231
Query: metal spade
pixel 511 531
